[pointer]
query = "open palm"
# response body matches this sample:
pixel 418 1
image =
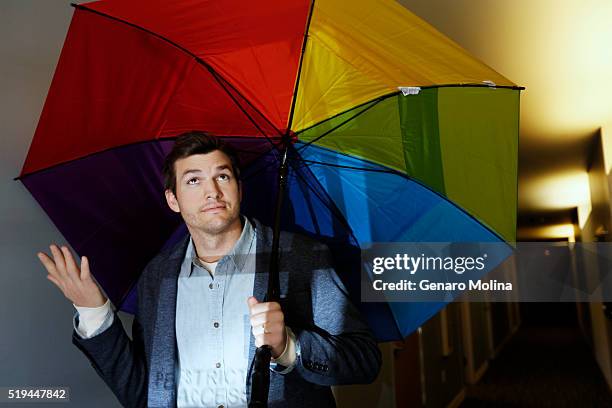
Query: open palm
pixel 77 284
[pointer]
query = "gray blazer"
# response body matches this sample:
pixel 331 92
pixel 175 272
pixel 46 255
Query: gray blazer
pixel 337 347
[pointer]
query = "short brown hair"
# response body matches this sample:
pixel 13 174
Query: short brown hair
pixel 195 142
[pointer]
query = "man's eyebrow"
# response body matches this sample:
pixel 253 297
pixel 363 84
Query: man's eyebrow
pixel 191 171
pixel 218 168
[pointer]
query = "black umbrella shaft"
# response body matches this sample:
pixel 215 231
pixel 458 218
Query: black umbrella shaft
pixel 273 294
pixel 260 384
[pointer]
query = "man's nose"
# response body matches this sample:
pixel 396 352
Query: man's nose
pixel 212 190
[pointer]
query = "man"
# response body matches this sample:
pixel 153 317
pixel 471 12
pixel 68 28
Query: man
pixel 200 314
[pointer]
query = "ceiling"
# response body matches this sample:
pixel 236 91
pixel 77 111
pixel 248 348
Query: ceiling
pixel 561 52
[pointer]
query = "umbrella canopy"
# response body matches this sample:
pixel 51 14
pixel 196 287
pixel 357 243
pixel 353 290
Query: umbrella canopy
pixel 397 133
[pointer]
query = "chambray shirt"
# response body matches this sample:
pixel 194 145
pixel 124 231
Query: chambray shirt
pixel 212 315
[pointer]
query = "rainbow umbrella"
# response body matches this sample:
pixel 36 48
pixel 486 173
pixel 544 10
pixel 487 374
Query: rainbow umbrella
pixel 394 132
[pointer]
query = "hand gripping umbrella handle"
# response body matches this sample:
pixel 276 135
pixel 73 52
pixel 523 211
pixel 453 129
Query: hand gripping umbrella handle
pixel 260 380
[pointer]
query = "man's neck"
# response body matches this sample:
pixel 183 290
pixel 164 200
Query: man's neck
pixel 212 247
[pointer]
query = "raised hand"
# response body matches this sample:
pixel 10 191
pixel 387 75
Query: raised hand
pixel 76 284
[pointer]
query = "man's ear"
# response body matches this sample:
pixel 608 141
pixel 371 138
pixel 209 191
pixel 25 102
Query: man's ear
pixel 171 200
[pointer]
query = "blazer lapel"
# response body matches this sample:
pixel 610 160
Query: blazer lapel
pixel 162 381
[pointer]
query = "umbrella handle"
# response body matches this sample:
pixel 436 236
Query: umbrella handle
pixel 260 377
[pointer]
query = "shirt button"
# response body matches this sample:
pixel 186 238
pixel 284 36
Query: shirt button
pixel 216 325
pixel 210 285
pixel 218 365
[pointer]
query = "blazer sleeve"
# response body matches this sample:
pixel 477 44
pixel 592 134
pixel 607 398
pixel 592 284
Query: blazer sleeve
pixel 119 361
pixel 339 347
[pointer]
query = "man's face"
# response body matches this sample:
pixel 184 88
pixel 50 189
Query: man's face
pixel 208 194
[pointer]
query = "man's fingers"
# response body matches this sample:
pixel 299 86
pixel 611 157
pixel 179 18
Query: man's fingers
pixel 58 259
pixel 270 328
pixel 252 301
pixel 267 317
pixel 76 285
pixel 71 266
pixel 262 307
pixel 85 272
pixel 47 263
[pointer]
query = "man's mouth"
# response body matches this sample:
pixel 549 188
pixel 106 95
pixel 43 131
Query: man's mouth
pixel 214 208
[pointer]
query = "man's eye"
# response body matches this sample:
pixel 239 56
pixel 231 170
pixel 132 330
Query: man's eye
pixel 224 177
pixel 193 180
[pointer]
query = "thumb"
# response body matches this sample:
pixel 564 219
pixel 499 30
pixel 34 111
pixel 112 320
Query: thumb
pixel 252 301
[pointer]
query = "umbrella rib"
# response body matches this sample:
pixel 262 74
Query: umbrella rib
pixel 472 85
pixel 334 210
pixel 106 150
pixel 349 167
pixel 382 97
pixel 373 103
pixel 185 50
pixel 200 61
pixel 262 169
pixel 222 83
pixel 299 72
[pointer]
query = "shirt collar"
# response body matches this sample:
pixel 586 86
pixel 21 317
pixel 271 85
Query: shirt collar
pixel 237 255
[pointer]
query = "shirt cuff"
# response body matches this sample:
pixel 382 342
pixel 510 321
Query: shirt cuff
pixel 91 321
pixel 285 362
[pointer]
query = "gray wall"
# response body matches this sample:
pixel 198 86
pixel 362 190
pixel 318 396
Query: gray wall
pixel 35 345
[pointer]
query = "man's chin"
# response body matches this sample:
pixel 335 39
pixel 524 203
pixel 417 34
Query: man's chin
pixel 217 225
